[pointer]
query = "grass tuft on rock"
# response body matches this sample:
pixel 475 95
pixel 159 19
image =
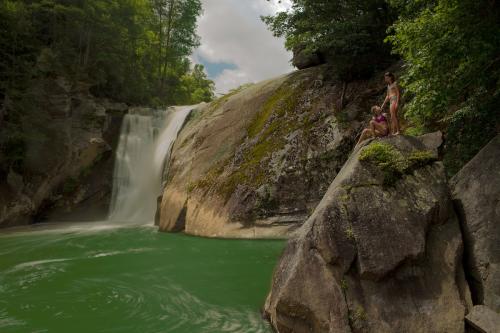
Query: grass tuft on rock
pixel 393 163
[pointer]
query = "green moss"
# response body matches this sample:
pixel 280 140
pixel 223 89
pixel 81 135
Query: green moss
pixel 415 131
pixel 358 316
pixel 421 158
pixel 392 162
pixel 349 232
pixel 269 128
pixel 282 101
pixel 343 284
pixel 385 156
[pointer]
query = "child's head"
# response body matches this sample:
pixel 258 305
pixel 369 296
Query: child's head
pixel 389 77
pixel 376 110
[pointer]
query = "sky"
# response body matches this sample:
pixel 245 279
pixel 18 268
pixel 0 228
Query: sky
pixel 236 46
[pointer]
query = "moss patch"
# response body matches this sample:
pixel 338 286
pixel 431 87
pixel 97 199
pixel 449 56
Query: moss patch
pixel 393 163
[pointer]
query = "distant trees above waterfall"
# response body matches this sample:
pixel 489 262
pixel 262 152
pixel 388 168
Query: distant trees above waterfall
pixel 134 51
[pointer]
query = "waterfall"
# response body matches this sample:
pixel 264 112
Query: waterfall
pixel 146 139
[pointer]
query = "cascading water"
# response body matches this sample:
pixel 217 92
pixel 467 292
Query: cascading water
pixel 145 142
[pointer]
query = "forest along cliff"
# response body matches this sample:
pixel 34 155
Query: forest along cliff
pixel 62 166
pixel 256 162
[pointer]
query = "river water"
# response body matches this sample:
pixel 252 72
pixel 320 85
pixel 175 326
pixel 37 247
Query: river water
pixel 98 278
pixel 122 275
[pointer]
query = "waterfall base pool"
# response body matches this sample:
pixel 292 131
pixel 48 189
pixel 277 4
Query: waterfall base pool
pixel 91 278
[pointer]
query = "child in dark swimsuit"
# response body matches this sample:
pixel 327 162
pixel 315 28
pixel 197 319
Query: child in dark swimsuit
pixel 378 125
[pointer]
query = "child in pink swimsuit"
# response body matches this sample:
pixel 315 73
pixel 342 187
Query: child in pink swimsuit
pixel 378 125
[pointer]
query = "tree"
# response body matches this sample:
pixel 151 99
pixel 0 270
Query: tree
pixel 350 33
pixel 198 87
pixel 451 50
pixel 135 51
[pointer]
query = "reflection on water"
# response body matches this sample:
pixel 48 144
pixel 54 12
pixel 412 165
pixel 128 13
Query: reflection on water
pixel 97 278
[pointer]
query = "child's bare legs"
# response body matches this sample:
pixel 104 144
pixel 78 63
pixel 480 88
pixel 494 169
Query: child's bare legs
pixel 394 119
pixel 366 134
pixel 378 128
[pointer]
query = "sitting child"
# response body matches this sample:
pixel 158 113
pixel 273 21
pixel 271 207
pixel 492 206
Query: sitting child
pixel 378 125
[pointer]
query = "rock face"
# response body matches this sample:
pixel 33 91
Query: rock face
pixel 382 252
pixel 256 162
pixel 476 192
pixel 67 159
pixel 303 59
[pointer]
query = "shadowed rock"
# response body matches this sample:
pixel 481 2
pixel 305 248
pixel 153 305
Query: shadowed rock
pixel 476 192
pixel 376 256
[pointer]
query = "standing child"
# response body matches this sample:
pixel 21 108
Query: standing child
pixel 392 96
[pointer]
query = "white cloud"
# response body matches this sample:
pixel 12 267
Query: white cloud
pixel 231 32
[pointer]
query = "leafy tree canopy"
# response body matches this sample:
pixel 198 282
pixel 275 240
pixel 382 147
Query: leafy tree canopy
pixel 451 50
pixel 131 50
pixel 349 33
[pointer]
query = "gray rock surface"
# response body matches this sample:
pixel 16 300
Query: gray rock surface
pixel 432 141
pixel 68 162
pixel 483 319
pixel 375 257
pixel 255 163
pixel 476 193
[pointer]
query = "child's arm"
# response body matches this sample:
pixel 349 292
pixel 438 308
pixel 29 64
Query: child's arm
pixel 385 100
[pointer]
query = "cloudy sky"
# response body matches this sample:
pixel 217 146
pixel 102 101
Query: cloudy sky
pixel 236 47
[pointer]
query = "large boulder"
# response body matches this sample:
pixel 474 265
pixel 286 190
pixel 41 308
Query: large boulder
pixel 476 193
pixel 256 162
pixel 382 252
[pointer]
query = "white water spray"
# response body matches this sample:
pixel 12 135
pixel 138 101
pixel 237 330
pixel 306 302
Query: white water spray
pixel 145 143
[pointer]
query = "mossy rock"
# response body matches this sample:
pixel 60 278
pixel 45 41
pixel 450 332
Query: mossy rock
pixel 394 163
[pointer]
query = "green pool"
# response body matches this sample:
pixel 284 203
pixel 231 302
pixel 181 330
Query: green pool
pixel 98 278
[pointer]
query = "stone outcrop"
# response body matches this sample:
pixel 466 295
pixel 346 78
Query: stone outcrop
pixel 302 58
pixel 256 162
pixel 67 159
pixel 476 193
pixel 382 251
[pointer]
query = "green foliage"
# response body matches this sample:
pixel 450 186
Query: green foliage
pixel 197 87
pixel 349 33
pixel 469 130
pixel 135 51
pixel 451 50
pixel 393 163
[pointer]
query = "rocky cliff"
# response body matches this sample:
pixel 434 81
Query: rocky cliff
pixel 60 164
pixel 381 252
pixel 386 251
pixel 256 162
